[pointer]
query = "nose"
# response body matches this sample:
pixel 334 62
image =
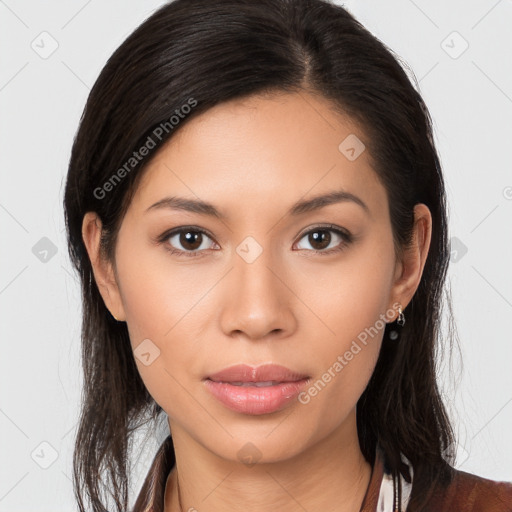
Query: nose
pixel 256 300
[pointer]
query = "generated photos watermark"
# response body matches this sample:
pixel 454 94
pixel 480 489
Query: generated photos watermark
pixel 156 136
pixel 343 359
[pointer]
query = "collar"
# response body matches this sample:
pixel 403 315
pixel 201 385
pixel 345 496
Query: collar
pixel 385 493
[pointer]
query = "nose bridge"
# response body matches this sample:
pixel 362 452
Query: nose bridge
pixel 258 301
pixel 255 266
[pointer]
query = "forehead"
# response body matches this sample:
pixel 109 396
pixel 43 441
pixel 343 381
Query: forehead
pixel 261 150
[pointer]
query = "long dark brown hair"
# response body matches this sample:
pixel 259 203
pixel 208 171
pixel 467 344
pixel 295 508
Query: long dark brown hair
pixel 201 53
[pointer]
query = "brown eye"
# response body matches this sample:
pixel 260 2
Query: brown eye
pixel 186 241
pixel 190 240
pixel 319 239
pixel 326 240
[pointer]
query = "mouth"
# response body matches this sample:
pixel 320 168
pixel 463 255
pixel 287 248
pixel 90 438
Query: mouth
pixel 256 390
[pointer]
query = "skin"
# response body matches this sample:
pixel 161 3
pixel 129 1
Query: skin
pixel 253 159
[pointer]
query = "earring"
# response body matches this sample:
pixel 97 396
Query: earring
pixel 401 318
pixel 400 321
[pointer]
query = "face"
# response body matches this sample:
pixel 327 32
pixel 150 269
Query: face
pixel 264 281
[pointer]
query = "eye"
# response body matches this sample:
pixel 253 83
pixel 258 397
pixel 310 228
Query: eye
pixel 320 238
pixel 192 241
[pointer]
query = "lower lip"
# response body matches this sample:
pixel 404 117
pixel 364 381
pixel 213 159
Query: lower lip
pixel 255 400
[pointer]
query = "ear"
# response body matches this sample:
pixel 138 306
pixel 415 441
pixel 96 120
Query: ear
pixel 102 269
pixel 408 272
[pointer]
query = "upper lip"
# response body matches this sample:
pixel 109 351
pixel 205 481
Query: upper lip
pixel 263 373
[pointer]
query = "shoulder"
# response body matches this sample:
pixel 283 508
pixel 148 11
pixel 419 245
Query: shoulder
pixel 471 493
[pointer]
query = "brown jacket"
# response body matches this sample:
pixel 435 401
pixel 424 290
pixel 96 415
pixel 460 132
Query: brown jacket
pixel 466 493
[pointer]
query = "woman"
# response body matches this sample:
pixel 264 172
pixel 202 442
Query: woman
pixel 257 212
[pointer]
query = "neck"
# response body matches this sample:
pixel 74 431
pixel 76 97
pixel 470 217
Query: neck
pixel 331 475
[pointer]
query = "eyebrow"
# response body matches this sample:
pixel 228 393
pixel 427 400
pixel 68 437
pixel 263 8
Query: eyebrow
pixel 299 208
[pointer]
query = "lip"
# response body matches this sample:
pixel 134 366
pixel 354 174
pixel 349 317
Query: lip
pixel 263 373
pixel 278 387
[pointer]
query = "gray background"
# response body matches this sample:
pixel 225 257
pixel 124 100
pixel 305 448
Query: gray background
pixel 469 93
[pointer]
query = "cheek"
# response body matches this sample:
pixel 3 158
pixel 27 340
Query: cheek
pixel 345 368
pixel 349 295
pixel 157 294
pixel 158 303
pixel 352 302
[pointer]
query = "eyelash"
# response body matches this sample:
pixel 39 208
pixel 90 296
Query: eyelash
pixel 347 239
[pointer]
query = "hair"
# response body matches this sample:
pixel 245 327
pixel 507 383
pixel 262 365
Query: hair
pixel 187 57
